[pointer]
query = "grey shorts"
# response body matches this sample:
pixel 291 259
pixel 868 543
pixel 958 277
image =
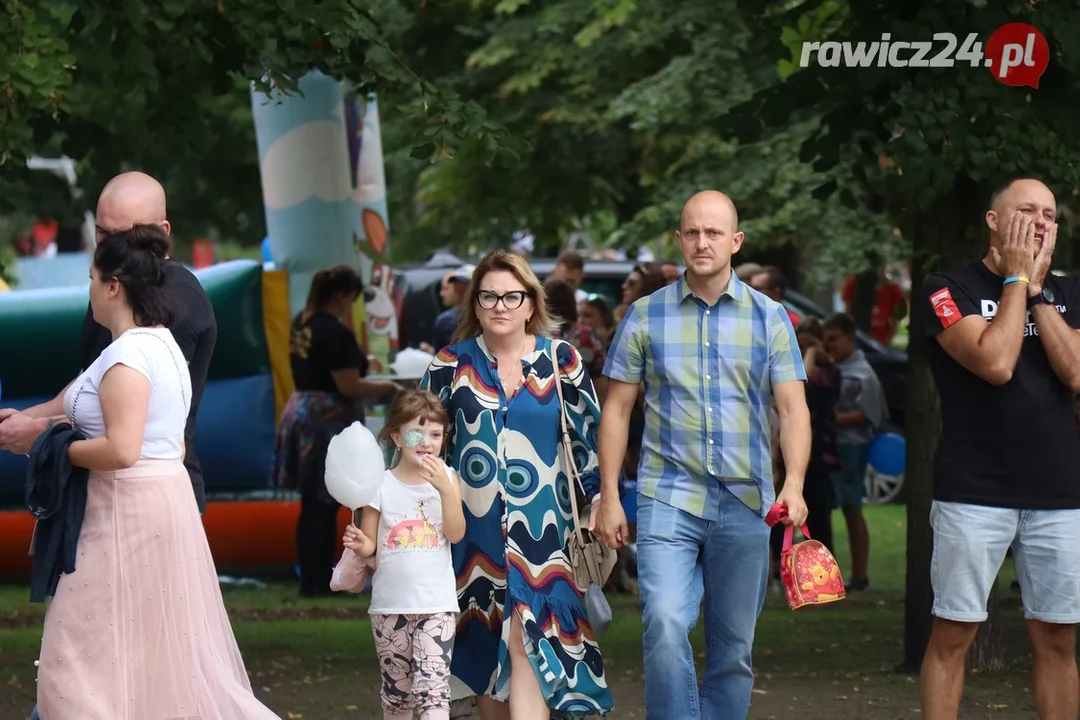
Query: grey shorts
pixel 970 542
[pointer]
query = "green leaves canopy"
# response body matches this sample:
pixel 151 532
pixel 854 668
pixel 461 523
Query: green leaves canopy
pixel 620 103
pixel 912 137
pixel 162 85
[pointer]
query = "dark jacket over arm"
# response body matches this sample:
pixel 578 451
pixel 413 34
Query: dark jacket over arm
pixel 56 496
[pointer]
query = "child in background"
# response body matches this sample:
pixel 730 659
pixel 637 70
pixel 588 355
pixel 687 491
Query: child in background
pixel 409 528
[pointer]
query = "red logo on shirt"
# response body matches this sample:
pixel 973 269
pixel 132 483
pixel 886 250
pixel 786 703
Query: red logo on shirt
pixel 944 307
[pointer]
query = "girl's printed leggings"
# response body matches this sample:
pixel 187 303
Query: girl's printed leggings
pixel 414 658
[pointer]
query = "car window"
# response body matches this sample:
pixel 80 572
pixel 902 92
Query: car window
pixel 609 288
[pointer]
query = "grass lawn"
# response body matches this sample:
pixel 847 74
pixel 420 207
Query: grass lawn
pixel 314 660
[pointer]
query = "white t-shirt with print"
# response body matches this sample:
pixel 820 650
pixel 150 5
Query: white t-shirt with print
pixel 415 572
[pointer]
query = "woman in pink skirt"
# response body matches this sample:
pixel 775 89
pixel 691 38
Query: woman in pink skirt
pixel 139 630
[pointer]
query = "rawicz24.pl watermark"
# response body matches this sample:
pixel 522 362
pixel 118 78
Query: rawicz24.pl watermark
pixel 1017 54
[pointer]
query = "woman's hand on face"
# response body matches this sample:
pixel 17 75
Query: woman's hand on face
pixel 433 472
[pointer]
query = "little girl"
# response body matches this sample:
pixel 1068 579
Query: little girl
pixel 409 528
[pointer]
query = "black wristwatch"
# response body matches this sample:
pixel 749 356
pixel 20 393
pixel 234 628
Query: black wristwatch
pixel 1046 297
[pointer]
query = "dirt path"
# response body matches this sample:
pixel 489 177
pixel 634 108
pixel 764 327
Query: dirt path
pixel 349 693
pixel 776 697
pixel 328 671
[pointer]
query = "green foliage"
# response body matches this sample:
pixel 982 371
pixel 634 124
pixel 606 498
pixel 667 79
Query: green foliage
pixel 162 85
pixel 618 102
pixel 504 114
pixel 35 67
pixel 910 137
pixel 157 52
pixel 7 265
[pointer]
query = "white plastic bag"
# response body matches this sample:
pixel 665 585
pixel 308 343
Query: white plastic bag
pixel 411 363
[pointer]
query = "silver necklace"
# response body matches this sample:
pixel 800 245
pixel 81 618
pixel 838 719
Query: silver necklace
pixel 516 367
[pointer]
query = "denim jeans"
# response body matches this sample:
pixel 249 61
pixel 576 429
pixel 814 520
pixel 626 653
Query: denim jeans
pixel 682 558
pixel 1046 550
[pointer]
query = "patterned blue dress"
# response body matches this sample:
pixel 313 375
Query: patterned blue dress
pixel 518 521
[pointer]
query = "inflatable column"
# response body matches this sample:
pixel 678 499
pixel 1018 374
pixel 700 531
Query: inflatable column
pixel 311 216
pixel 370 191
pixel 376 311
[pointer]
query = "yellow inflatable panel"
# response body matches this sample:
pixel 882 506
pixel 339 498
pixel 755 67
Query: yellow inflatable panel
pixel 277 320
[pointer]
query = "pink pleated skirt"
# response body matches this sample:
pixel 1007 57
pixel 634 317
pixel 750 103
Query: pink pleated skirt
pixel 139 630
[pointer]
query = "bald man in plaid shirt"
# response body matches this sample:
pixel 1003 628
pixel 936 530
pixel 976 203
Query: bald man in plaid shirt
pixel 713 354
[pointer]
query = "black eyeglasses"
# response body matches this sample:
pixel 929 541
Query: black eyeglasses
pixel 511 300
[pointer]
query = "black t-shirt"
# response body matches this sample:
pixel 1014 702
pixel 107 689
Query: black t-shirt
pixel 195 331
pixel 319 347
pixel 1014 445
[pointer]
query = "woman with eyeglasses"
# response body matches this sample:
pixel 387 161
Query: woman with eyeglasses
pixel 523 635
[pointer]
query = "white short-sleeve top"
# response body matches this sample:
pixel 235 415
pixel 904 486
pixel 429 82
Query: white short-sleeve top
pixel 153 353
pixel 415 567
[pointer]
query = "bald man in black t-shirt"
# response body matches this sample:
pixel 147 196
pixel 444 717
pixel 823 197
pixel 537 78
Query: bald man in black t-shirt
pixel 1004 348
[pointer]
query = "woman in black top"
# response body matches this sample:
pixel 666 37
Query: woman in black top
pixel 328 369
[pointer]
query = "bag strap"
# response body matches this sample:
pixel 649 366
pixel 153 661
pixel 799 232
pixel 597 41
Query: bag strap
pixel 568 461
pixel 789 535
pixel 777 514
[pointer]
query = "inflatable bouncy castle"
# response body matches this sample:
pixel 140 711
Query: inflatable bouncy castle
pixel 325 198
pixel 247 385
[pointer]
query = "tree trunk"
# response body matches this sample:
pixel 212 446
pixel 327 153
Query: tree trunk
pixel 988 652
pixel 923 429
pixel 947 236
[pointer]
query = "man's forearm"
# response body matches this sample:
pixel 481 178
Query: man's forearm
pixel 795 441
pixel 1005 335
pixel 613 438
pixel 45 411
pixel 50 409
pixel 1061 342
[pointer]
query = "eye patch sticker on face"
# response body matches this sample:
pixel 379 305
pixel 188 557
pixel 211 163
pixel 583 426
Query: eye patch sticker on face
pixel 414 438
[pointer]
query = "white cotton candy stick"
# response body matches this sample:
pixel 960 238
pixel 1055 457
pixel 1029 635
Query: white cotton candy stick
pixel 354 467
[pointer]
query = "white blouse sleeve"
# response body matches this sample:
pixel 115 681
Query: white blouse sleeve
pixel 135 352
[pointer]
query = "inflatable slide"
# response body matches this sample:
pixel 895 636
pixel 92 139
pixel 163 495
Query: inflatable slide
pixel 249 524
pixel 324 192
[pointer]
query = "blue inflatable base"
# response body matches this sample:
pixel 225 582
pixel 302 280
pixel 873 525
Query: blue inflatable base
pixel 235 434
pixel 234 439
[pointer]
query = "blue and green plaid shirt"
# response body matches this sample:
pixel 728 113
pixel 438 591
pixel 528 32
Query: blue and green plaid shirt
pixel 709 373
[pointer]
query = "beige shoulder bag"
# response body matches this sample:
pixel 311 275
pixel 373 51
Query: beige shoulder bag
pixel 590 560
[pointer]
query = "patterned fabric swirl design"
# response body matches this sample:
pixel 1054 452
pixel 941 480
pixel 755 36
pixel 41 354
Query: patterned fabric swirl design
pixel 518 521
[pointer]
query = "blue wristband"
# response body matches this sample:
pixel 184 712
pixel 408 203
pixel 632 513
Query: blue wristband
pixel 1015 278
